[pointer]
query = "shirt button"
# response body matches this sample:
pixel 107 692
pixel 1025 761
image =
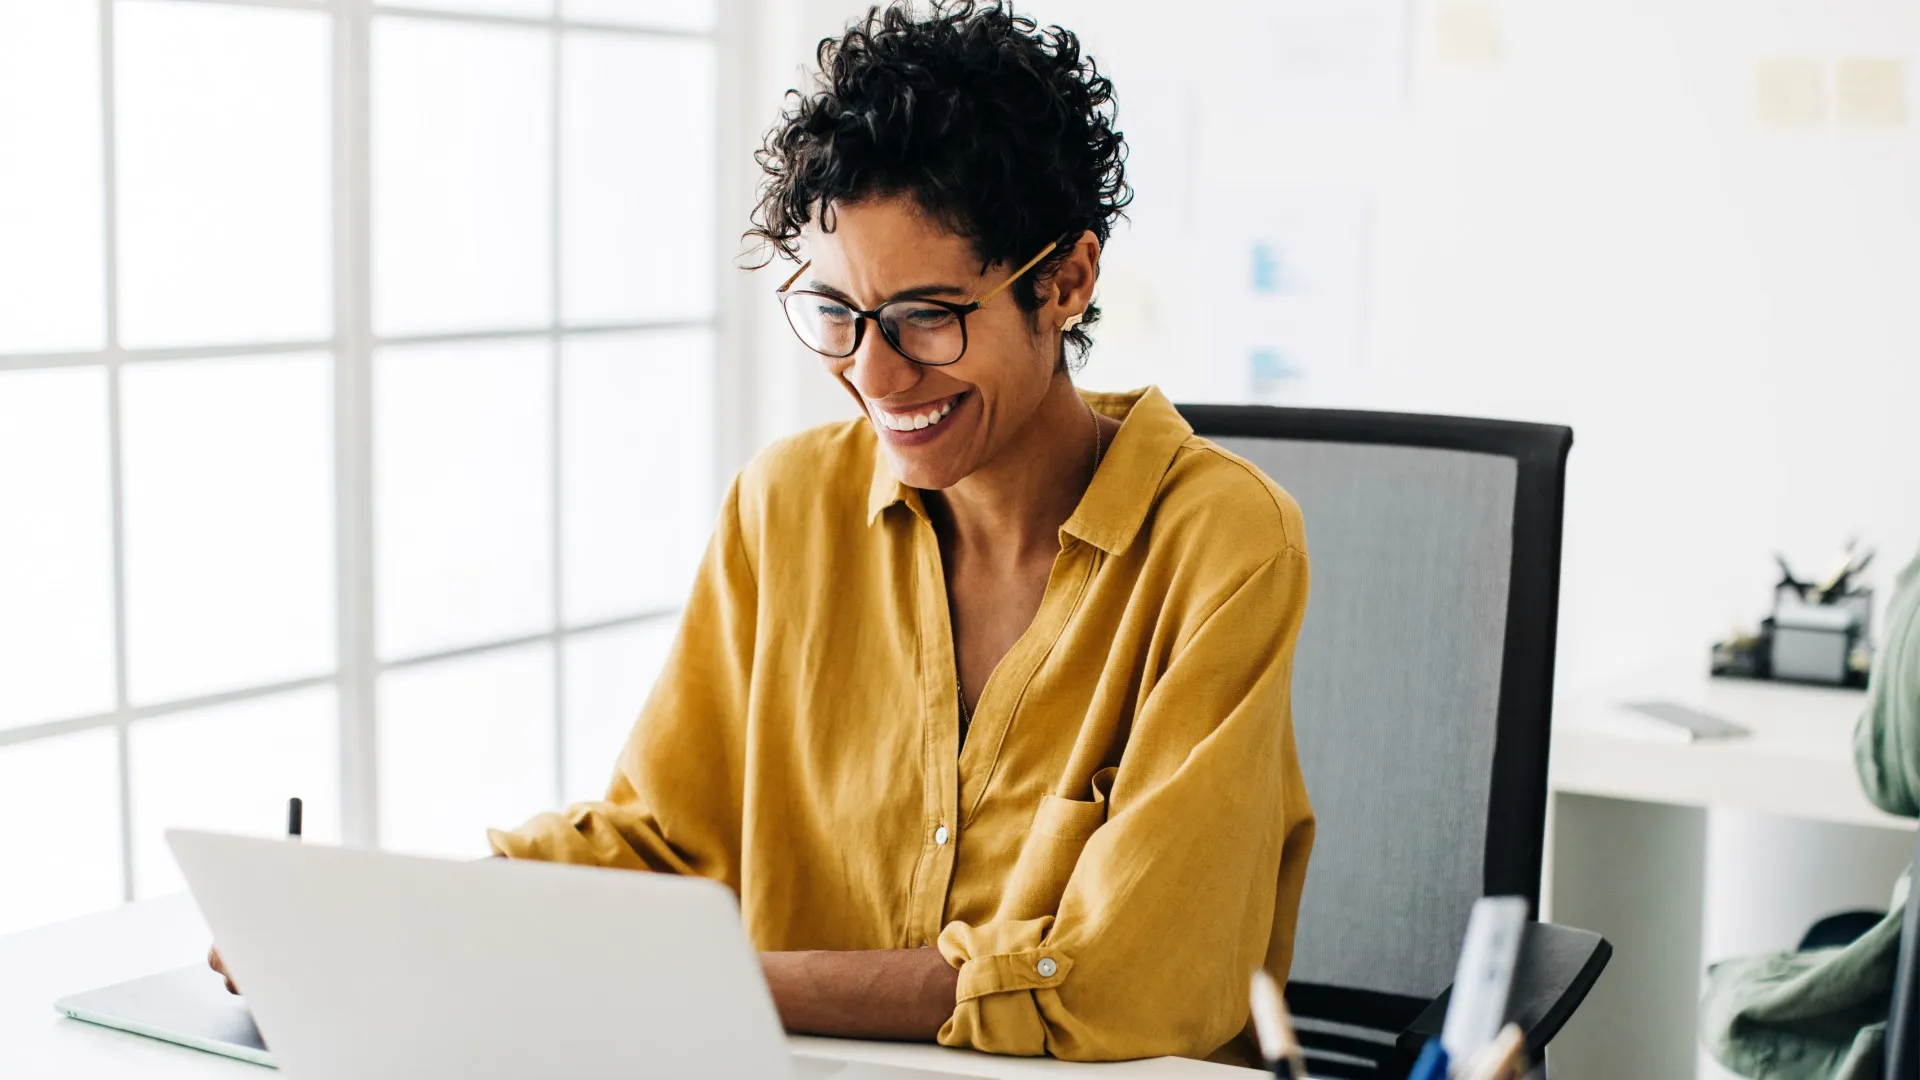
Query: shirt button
pixel 1046 967
pixel 940 835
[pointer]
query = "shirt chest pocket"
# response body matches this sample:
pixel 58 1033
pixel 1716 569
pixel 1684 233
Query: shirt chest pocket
pixel 1060 831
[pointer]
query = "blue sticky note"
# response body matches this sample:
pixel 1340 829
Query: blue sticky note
pixel 1271 365
pixel 1266 267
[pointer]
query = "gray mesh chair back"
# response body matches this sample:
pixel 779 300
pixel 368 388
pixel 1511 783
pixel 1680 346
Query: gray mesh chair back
pixel 1422 687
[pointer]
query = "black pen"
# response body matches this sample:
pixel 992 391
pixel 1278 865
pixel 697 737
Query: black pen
pixel 293 819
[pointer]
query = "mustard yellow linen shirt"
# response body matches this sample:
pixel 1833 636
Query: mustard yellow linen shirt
pixel 1124 834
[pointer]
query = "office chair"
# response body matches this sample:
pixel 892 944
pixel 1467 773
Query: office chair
pixel 1903 1017
pixel 1422 694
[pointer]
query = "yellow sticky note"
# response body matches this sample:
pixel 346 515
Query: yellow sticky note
pixel 1468 34
pixel 1790 92
pixel 1870 91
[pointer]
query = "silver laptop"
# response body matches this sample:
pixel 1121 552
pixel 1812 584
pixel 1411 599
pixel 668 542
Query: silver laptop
pixel 387 967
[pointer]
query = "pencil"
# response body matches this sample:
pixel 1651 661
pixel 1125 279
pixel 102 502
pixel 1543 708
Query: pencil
pixel 1272 1024
pixel 1502 1059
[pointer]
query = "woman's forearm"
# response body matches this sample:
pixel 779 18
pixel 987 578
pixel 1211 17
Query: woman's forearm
pixel 904 994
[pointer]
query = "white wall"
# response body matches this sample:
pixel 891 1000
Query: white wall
pixel 1596 231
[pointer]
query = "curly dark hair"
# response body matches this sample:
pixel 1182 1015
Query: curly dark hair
pixel 1000 130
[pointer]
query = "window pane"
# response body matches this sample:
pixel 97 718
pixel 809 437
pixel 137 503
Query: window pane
pixel 637 179
pixel 462 494
pixel 465 745
pixel 62 798
pixel 667 14
pixel 232 768
pixel 638 492
pixel 536 8
pixel 462 164
pixel 228 468
pixel 51 205
pixel 223 173
pixel 56 547
pixel 608 676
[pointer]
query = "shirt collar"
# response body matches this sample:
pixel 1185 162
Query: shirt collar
pixel 1111 513
pixel 886 489
pixel 1115 506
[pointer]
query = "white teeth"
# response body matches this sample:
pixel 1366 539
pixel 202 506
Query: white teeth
pixel 896 422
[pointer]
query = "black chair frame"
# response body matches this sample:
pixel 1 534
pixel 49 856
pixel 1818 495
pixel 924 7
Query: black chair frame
pixel 1559 965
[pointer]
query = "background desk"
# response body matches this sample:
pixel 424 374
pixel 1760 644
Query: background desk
pixel 1683 854
pixel 39 966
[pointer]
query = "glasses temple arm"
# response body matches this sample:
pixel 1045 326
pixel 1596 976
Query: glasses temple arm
pixel 1015 276
pixel 788 284
pixel 983 298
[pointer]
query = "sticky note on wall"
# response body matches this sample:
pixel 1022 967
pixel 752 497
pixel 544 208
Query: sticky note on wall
pixel 1870 92
pixel 1468 34
pixel 1265 264
pixel 1790 92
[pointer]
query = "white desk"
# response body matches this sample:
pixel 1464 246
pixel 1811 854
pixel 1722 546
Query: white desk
pixel 1798 762
pixel 41 965
pixel 1683 853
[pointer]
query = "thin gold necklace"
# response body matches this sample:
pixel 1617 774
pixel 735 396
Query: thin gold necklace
pixel 959 689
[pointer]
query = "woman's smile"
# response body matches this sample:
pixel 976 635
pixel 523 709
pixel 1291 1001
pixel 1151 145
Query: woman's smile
pixel 919 423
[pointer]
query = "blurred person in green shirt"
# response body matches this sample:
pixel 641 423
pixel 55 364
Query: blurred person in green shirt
pixel 1821 1013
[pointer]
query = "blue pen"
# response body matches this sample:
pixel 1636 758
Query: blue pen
pixel 1432 1062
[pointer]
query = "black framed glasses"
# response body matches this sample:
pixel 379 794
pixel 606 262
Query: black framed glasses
pixel 926 331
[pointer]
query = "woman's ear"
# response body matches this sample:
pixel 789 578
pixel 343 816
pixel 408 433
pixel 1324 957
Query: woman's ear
pixel 1069 289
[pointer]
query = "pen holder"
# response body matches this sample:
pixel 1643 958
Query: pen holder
pixel 1827 644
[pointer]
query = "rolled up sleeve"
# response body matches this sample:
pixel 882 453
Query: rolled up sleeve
pixel 1192 881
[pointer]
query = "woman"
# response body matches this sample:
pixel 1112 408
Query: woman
pixel 981 702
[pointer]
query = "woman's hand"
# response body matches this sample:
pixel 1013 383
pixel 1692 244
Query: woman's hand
pixel 214 962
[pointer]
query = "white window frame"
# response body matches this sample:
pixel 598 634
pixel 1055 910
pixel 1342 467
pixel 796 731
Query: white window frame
pixel 352 344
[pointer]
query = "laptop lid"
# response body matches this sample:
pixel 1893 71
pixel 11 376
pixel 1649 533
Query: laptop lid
pixel 383 967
